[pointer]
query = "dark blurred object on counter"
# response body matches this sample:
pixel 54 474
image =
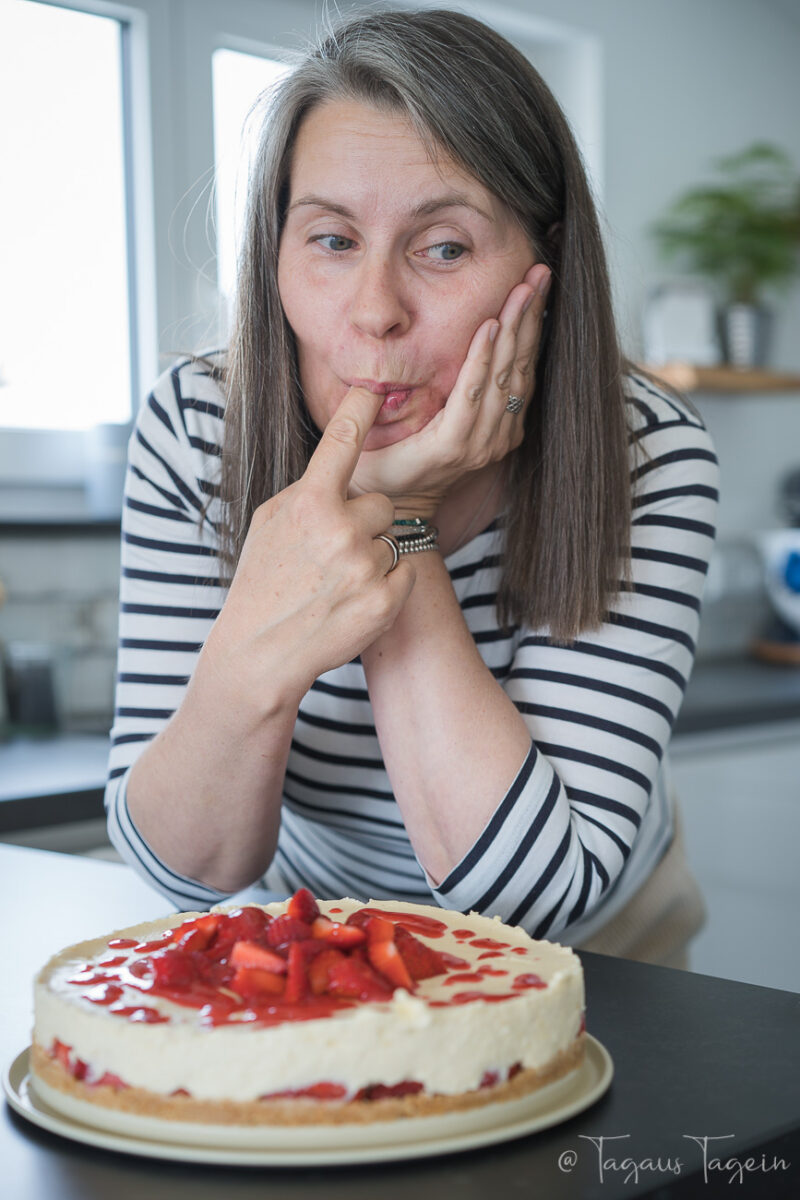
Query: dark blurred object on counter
pixel 29 686
pixel 789 494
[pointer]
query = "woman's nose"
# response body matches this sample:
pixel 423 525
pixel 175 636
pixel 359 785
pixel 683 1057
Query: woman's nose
pixel 378 307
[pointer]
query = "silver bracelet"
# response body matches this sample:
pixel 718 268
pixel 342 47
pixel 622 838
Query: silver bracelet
pixel 415 543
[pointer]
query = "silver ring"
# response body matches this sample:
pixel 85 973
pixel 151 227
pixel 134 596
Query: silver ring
pixel 514 404
pixel 390 541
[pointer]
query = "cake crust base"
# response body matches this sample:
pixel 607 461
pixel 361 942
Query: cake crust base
pixel 300 1111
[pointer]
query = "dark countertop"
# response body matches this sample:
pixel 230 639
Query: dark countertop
pixel 59 779
pixel 694 1056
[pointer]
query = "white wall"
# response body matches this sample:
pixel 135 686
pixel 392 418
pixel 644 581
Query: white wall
pixel 684 82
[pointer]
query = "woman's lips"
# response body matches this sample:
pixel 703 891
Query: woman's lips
pixel 394 402
pixel 396 397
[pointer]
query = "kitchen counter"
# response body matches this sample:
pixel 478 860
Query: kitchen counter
pixel 694 1057
pixel 59 779
pixel 51 780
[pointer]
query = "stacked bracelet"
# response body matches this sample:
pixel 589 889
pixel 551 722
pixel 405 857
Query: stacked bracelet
pixel 416 543
pixel 424 537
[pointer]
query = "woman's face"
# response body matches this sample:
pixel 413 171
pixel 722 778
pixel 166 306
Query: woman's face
pixel 388 265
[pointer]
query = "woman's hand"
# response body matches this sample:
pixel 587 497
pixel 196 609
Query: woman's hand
pixel 311 589
pixel 474 428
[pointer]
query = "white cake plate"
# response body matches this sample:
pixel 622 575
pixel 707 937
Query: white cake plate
pixel 308 1145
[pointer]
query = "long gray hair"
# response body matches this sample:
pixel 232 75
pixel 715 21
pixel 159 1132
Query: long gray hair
pixel 470 95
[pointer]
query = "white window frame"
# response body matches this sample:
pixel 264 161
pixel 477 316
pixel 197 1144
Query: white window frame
pixel 168 47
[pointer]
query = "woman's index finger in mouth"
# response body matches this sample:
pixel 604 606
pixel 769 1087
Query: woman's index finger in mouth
pixel 333 462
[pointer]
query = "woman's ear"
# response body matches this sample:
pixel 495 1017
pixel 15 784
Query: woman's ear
pixel 554 233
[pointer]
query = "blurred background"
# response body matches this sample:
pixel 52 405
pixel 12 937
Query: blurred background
pixel 124 137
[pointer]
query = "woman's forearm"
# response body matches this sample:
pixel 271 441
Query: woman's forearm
pixel 310 590
pixel 451 739
pixel 206 793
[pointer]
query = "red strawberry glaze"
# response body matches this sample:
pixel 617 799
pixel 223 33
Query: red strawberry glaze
pixel 528 981
pixel 156 943
pixel 462 933
pixel 491 1078
pixel 518 950
pixel 148 1016
pixel 122 943
pixel 324 1090
pixel 109 1080
pixel 89 978
pixel 275 1012
pixel 104 993
pixel 490 954
pixel 428 926
pixel 470 997
pixel 452 960
pixel 335 910
pixel 468 977
pixel 382 1091
pixel 489 944
pixel 491 971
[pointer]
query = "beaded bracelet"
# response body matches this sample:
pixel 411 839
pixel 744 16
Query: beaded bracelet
pixel 419 524
pixel 415 543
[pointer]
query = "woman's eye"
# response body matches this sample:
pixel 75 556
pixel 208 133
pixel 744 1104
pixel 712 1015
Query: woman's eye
pixel 446 251
pixel 336 241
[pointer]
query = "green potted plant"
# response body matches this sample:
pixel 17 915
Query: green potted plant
pixel 743 233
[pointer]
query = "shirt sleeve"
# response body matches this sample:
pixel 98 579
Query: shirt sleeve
pixel 170 593
pixel 600 711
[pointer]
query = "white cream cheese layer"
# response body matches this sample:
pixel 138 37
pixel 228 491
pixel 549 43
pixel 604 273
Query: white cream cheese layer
pixel 447 1049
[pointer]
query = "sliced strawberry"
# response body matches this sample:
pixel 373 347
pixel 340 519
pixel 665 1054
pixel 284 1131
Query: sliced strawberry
pixel 317 1091
pixel 109 1080
pixel 250 954
pixel 338 933
pixel 198 934
pixel 319 967
pixel 303 906
pixel 211 970
pixel 422 961
pixel 172 968
pixel 301 955
pixel 60 1051
pixel 379 930
pixel 250 981
pixel 358 918
pixel 385 957
pixel 284 930
pixel 351 978
pixel 244 924
pixel 382 1091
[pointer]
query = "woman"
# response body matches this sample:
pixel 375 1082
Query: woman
pixel 424 341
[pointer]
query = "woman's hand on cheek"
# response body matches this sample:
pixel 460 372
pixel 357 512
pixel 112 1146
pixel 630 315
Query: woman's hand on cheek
pixel 475 427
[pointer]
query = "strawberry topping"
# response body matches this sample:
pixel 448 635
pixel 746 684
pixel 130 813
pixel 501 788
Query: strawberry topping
pixel 248 966
pixel 303 906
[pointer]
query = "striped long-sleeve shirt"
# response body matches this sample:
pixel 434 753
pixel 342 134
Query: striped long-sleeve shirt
pixel 589 813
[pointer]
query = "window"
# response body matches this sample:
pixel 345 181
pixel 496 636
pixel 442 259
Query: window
pixel 239 79
pixel 65 346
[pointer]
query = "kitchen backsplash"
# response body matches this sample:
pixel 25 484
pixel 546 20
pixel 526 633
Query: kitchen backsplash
pixel 62 596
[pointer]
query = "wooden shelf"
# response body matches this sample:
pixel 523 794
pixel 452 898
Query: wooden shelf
pixel 687 378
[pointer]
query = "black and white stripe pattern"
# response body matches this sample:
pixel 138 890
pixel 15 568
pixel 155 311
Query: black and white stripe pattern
pixel 588 815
